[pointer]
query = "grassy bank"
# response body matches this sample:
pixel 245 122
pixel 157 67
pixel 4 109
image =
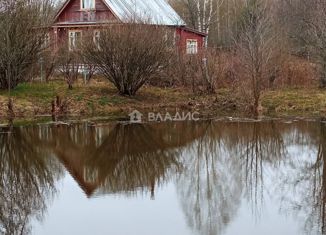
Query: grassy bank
pixel 99 98
pixel 299 102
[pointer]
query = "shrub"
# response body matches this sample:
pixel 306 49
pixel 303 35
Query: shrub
pixel 298 72
pixel 258 50
pixel 20 43
pixel 201 72
pixel 69 65
pixel 128 55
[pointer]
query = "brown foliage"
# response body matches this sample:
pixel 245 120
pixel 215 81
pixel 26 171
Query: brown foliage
pixel 298 72
pixel 128 55
pixel 58 108
pixel 21 43
pixel 69 65
pixel 203 72
pixel 258 50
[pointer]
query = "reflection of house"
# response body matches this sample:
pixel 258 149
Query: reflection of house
pixel 130 158
pixel 77 16
pixel 76 168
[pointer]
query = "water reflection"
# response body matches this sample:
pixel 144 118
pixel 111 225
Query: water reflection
pixel 227 163
pixel 304 183
pixel 210 186
pixel 318 201
pixel 120 158
pixel 27 176
pixel 216 168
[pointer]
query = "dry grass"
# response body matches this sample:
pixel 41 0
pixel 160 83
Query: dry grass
pixel 99 98
pixel 303 102
pixel 95 99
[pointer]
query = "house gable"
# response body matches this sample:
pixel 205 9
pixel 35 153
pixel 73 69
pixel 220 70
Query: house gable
pixel 71 20
pixel 72 13
pixel 158 12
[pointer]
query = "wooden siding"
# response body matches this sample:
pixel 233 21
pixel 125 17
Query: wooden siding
pixel 73 17
pixel 73 13
pixel 184 35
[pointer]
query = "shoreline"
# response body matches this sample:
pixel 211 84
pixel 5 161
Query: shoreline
pixel 32 101
pixel 102 121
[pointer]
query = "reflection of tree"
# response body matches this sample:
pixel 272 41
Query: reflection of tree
pixel 220 163
pixel 306 184
pixel 262 148
pixel 229 159
pixel 210 186
pixel 26 180
pixel 319 191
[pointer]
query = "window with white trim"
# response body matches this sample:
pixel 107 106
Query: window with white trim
pixel 90 175
pixel 87 4
pixel 46 41
pixel 75 38
pixel 96 38
pixel 192 46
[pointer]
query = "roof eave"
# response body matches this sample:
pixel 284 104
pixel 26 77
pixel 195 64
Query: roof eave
pixel 61 10
pixel 194 31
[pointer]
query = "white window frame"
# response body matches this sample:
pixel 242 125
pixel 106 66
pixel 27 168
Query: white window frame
pixel 192 46
pixel 175 38
pixel 92 7
pixel 72 40
pixel 96 38
pixel 46 41
pixel 90 175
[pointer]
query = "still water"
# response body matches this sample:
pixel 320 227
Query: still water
pixel 184 178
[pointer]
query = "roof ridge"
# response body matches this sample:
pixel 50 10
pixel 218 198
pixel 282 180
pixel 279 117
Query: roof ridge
pixel 155 11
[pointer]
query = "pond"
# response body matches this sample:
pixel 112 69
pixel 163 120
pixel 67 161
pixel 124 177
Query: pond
pixel 182 178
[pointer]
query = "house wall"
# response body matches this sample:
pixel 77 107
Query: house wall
pixel 73 18
pixel 184 35
pixel 180 38
pixel 73 13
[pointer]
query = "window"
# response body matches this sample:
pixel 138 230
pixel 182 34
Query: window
pixel 90 175
pixel 87 4
pixel 175 38
pixel 74 40
pixel 166 37
pixel 192 46
pixel 96 38
pixel 169 39
pixel 46 41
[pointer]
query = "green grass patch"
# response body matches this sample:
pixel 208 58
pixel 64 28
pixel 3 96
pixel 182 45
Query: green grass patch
pixel 104 101
pixel 79 97
pixel 41 92
pixel 117 100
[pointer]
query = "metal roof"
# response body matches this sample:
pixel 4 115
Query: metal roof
pixel 157 12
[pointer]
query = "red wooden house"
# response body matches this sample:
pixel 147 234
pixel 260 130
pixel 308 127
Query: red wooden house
pixel 76 16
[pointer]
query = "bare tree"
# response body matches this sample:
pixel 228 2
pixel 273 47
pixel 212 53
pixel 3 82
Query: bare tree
pixel 69 66
pixel 211 69
pixel 218 18
pixel 257 49
pixel 27 180
pixel 314 36
pixel 21 43
pixel 128 55
pixel 47 64
pixel 201 13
